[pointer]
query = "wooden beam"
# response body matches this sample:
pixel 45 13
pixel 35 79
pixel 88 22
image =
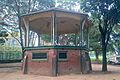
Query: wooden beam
pixel 53 27
pixel 82 23
pixel 39 41
pixel 76 39
pixel 88 37
pixel 56 31
pixel 26 23
pixel 54 63
pixel 54 42
pixel 25 65
pixel 81 32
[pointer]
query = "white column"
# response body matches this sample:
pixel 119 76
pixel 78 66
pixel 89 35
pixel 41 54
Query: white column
pixel 39 40
pixel 81 32
pixel 26 23
pixel 53 27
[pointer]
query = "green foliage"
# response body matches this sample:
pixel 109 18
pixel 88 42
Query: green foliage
pixel 107 12
pixel 2 41
pixel 46 38
pixel 10 53
pixel 94 35
pixel 115 37
pixel 73 38
pixel 9 48
pixel 68 4
pixel 11 10
pixel 3 35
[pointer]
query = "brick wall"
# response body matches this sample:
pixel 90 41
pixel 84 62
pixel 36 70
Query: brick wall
pixel 40 67
pixel 72 65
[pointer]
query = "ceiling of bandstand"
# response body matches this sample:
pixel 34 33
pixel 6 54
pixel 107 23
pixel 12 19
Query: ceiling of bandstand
pixel 65 21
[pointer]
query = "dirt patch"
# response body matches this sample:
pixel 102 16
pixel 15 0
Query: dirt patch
pixel 16 74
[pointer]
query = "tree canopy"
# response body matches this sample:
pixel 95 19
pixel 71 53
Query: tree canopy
pixel 108 14
pixel 11 10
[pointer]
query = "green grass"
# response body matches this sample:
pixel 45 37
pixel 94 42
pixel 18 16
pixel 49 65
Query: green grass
pixel 93 58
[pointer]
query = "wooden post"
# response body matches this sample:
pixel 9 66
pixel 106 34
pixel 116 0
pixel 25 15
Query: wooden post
pixel 25 37
pixel 88 38
pixel 56 42
pixel 90 66
pixel 54 65
pixel 82 34
pixel 26 23
pixel 25 64
pixel 53 27
pixel 81 44
pixel 76 39
pixel 39 40
pixel 54 33
pixel 81 67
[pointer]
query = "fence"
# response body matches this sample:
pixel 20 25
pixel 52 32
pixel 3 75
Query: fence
pixel 10 57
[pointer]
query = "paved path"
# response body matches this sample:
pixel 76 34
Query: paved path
pixel 4 65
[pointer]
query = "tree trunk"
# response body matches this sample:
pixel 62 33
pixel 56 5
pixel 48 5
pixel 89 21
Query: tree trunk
pixel 90 65
pixel 21 37
pixel 96 55
pixel 104 61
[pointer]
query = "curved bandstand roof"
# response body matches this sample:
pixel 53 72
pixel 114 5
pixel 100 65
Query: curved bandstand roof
pixel 66 21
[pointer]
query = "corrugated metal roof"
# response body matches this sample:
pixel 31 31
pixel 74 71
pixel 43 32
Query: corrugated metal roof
pixel 54 9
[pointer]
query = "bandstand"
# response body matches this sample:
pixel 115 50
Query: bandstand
pixel 67 35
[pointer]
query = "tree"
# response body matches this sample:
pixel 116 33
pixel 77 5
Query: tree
pixel 94 36
pixel 108 14
pixel 3 35
pixel 115 37
pixel 68 4
pixel 13 9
